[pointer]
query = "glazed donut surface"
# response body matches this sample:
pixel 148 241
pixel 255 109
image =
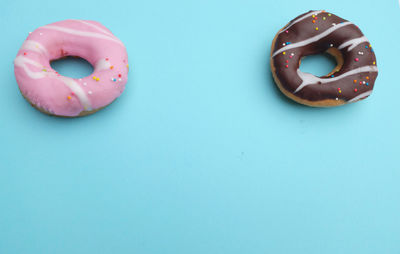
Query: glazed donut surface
pixel 55 94
pixel 317 32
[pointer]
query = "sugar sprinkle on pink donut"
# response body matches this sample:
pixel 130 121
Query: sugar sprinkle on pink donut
pixel 64 96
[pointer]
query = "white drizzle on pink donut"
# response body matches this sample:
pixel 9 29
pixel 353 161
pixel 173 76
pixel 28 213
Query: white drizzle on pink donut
pixel 44 87
pixel 82 33
pixel 34 46
pixel 102 64
pixel 95 27
pixel 21 61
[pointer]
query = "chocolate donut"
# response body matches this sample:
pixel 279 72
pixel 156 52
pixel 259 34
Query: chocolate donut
pixel 317 32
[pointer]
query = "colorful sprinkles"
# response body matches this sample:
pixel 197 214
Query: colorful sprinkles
pixel 26 63
pixel 318 25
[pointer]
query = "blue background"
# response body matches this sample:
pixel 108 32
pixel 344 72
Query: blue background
pixel 201 153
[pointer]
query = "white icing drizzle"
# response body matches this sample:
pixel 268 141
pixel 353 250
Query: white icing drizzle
pixel 300 19
pixel 77 90
pixel 312 39
pixel 34 46
pixel 21 61
pixel 309 79
pixel 102 64
pixel 360 96
pixel 353 43
pixel 94 26
pixel 82 33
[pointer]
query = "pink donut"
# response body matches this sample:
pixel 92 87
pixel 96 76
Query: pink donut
pixel 54 94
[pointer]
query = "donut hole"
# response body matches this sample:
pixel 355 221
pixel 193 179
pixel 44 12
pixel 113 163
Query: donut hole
pixel 72 66
pixel 324 64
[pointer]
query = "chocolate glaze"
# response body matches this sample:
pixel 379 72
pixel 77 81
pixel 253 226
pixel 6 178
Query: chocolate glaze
pixel 287 60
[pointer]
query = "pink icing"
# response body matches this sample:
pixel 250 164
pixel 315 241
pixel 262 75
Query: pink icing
pixel 65 96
